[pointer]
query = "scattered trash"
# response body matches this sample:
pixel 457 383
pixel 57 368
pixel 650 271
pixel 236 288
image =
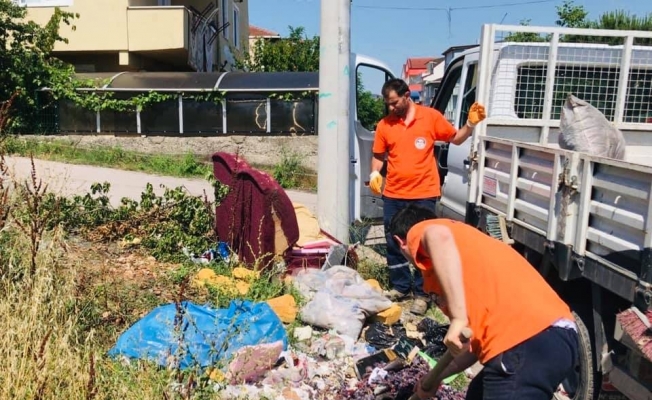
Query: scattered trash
pixel 434 334
pixel 221 253
pixel 390 316
pixel 303 333
pixel 285 307
pixel 250 363
pixel 330 347
pixel 199 336
pixel 224 284
pixel 394 385
pixel 338 299
pixel 382 336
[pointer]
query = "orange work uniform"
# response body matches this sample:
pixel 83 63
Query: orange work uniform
pixel 507 300
pixel 411 166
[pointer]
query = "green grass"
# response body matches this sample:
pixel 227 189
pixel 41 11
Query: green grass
pixel 288 172
pixel 187 165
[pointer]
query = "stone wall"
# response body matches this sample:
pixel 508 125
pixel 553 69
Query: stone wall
pixel 255 149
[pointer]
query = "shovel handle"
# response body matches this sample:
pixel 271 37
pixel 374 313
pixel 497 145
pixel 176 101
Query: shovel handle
pixel 433 378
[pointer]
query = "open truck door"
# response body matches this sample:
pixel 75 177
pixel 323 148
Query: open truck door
pixel 455 97
pixel 365 206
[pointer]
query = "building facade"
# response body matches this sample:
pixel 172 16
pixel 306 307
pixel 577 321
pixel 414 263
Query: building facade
pixel 412 74
pixel 432 79
pixel 257 33
pixel 149 35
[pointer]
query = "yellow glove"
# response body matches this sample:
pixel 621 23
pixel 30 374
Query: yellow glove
pixel 476 115
pixel 375 182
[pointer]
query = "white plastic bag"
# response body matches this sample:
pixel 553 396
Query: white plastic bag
pixel 332 312
pixel 585 129
pixel 339 299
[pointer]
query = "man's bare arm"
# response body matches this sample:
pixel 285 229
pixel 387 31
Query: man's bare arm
pixel 462 134
pixel 377 162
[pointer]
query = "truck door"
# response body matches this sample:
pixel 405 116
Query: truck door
pixel 454 99
pixel 370 108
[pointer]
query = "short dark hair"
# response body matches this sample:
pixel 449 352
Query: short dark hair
pixel 405 219
pixel 397 85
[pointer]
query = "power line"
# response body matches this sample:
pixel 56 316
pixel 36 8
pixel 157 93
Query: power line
pixel 449 10
pixel 453 8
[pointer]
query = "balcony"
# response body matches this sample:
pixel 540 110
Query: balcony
pixel 176 35
pixel 162 28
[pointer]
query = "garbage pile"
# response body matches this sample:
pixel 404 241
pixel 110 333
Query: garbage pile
pixel 352 344
pixel 396 385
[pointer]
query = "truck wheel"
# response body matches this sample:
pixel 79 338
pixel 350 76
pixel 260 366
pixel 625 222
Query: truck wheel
pixel 584 385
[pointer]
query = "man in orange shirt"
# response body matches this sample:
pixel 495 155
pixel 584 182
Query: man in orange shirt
pixel 523 333
pixel 408 135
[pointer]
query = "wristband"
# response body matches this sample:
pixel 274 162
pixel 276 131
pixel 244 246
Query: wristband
pixel 470 125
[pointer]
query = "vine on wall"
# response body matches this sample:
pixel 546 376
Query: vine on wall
pixel 87 94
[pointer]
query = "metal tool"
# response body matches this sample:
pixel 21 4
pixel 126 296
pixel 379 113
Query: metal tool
pixel 434 376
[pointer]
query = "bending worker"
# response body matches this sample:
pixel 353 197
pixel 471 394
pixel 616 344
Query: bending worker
pixel 408 135
pixel 523 333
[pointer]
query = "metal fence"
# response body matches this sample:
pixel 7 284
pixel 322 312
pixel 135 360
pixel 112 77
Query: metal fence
pixel 238 113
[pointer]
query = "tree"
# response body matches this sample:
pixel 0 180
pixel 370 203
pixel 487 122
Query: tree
pixel 570 15
pixel 299 53
pixel 370 108
pixel 26 63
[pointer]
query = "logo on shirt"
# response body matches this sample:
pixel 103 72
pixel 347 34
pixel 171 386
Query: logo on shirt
pixel 420 143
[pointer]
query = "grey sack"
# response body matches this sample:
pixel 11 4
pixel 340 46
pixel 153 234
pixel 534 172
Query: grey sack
pixel 585 129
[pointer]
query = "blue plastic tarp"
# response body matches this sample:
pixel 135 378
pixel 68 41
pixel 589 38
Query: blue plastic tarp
pixel 208 335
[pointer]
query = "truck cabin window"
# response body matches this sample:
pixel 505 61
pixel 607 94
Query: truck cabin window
pixel 370 106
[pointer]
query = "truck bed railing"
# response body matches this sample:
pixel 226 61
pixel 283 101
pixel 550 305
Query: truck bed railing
pixel 599 208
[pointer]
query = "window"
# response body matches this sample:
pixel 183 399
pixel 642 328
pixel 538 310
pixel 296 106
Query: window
pixel 469 92
pixel 370 105
pixel 452 87
pixel 225 18
pixel 236 27
pixel 44 3
pixel 447 102
pixel 594 84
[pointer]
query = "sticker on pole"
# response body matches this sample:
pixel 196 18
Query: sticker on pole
pixel 489 186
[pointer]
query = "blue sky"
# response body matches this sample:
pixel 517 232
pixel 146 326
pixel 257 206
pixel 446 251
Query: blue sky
pixel 393 35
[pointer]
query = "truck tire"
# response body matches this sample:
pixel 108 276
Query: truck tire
pixel 586 384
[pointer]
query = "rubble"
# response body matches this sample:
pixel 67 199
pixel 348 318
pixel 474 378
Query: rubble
pixel 346 323
pixel 226 285
pixel 390 316
pixel 285 307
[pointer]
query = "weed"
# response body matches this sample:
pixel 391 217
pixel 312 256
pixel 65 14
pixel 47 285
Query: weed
pixel 369 269
pixel 290 172
pixel 186 165
pixel 33 219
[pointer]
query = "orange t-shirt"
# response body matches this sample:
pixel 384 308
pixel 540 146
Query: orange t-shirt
pixel 507 300
pixel 411 166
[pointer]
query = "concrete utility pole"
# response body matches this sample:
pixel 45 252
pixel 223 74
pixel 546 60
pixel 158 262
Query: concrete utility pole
pixel 334 157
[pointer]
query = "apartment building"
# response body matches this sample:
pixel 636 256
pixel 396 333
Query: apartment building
pixel 149 35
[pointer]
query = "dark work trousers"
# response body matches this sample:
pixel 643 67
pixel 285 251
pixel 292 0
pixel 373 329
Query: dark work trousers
pixel 400 275
pixel 531 370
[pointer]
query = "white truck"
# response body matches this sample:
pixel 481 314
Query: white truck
pixel 584 222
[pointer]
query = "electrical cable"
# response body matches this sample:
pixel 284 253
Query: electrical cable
pixel 453 8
